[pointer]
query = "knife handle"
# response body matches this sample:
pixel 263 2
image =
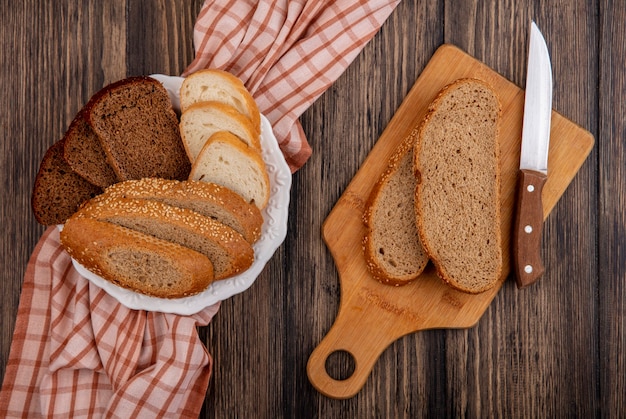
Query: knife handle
pixel 528 226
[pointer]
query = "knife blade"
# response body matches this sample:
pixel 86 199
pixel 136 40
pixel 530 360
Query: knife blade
pixel 533 162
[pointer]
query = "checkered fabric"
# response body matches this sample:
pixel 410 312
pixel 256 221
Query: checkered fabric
pixel 77 352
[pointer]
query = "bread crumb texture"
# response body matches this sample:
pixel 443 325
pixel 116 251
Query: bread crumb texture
pixel 457 202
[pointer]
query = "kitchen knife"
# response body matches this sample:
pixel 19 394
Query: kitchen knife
pixel 533 162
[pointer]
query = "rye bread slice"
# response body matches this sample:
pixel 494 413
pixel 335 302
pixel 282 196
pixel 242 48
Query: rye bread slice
pixel 58 191
pixel 85 155
pixel 457 199
pixel 393 250
pixel 138 129
pixel 136 261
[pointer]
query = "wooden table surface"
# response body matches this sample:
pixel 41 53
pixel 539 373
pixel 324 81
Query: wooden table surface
pixel 557 349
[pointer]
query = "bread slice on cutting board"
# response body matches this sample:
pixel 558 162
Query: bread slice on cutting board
pixel 393 250
pixel 135 260
pixel 457 199
pixel 207 199
pixel 201 120
pixel 213 85
pixel 228 162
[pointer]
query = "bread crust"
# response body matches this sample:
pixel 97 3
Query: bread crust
pixel 441 268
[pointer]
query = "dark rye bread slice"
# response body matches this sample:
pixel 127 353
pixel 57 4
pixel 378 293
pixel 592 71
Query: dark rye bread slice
pixel 58 191
pixel 138 129
pixel 85 155
pixel 457 199
pixel 393 251
pixel 229 252
pixel 136 261
pixel 207 199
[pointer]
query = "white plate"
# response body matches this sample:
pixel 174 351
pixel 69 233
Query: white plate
pixel 272 235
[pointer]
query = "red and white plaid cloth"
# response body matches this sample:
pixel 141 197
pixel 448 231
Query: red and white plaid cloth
pixel 77 352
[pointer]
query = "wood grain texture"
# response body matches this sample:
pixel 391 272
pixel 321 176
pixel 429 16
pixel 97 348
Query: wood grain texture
pixel 557 349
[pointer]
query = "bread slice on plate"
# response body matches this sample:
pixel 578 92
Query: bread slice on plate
pixel 136 261
pixel 84 153
pixel 58 191
pixel 138 129
pixel 200 121
pixel 229 252
pixel 207 199
pixel 213 85
pixel 393 250
pixel 226 161
pixel 457 199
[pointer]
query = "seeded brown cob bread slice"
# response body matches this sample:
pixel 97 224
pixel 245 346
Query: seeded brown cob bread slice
pixel 457 199
pixel 229 252
pixel 138 129
pixel 393 250
pixel 213 85
pixel 226 161
pixel 136 261
pixel 85 155
pixel 207 199
pixel 58 191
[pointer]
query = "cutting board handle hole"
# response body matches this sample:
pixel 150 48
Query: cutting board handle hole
pixel 340 365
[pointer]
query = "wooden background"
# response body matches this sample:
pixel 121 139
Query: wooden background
pixel 554 350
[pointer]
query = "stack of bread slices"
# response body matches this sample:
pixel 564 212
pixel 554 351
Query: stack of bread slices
pixel 439 198
pixel 155 204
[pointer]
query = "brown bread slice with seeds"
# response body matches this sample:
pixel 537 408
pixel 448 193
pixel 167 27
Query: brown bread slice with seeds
pixel 207 199
pixel 58 191
pixel 136 261
pixel 138 129
pixel 229 252
pixel 457 199
pixel 85 155
pixel 393 250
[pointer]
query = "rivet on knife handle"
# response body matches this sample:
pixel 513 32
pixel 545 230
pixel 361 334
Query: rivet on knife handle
pixel 528 226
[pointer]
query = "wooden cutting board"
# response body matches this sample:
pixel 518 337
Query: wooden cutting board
pixel 371 315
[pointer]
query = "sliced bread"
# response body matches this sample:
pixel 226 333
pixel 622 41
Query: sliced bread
pixel 200 121
pixel 208 199
pixel 393 250
pixel 136 261
pixel 210 85
pixel 457 199
pixel 138 129
pixel 229 252
pixel 58 191
pixel 85 155
pixel 226 161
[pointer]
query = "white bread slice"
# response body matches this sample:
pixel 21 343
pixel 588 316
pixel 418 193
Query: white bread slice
pixel 457 199
pixel 229 252
pixel 211 84
pixel 393 250
pixel 207 199
pixel 136 261
pixel 200 121
pixel 226 161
